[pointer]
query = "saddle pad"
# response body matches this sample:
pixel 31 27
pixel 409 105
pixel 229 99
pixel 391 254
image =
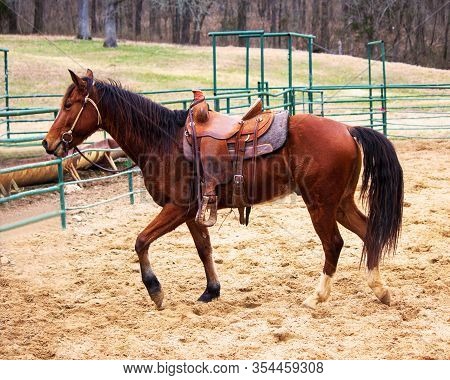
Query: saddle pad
pixel 273 139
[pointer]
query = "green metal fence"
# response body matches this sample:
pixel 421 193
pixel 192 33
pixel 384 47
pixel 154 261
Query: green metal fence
pixel 397 110
pixel 60 186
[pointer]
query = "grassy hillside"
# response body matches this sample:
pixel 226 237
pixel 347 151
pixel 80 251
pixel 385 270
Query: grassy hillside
pixel 39 65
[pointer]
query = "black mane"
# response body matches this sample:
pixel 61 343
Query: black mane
pixel 141 120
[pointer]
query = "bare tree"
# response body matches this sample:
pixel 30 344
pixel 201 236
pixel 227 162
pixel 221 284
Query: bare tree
pixel 12 17
pixel 110 24
pixel 445 46
pixel 200 9
pixel 415 31
pixel 155 18
pixel 8 16
pixel 128 13
pixel 138 18
pixel 243 6
pixel 84 32
pixel 94 27
pixel 38 24
pixel 325 23
pixel 186 23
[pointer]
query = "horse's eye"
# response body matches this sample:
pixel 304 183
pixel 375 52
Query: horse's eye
pixel 67 105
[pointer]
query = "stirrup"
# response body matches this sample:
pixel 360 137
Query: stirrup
pixel 208 203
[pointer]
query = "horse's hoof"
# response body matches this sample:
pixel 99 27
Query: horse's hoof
pixel 207 297
pixel 386 298
pixel 158 298
pixel 211 292
pixel 310 303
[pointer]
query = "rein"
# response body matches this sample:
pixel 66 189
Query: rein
pixel 102 167
pixel 67 140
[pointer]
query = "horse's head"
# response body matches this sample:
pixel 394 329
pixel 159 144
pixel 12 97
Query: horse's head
pixel 78 117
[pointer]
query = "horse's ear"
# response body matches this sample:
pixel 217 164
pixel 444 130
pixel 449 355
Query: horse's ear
pixel 80 83
pixel 90 74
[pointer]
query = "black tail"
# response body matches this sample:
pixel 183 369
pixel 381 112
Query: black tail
pixel 382 189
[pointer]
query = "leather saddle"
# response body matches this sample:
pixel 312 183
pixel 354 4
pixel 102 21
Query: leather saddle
pixel 218 145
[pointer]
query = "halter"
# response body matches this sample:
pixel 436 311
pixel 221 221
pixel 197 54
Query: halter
pixel 67 140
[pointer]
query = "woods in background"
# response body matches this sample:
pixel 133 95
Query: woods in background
pixel 415 31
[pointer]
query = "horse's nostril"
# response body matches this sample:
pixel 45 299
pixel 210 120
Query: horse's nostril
pixel 45 144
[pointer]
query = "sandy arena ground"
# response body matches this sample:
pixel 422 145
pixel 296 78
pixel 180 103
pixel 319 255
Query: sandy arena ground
pixel 77 294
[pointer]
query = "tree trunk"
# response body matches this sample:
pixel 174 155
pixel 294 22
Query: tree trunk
pixel 38 24
pixel 155 21
pixel 138 18
pixel 12 17
pixel 280 23
pixel 316 19
pixel 242 18
pixel 83 20
pixel 273 20
pixel 324 23
pixel 398 32
pixel 94 27
pixel 128 13
pixel 445 47
pixel 199 16
pixel 110 24
pixel 186 24
pixel 175 10
pixel 197 29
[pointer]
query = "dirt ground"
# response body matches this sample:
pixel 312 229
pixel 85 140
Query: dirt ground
pixel 77 294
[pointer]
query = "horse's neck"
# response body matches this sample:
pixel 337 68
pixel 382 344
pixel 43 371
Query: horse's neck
pixel 134 148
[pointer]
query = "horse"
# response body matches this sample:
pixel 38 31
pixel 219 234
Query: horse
pixel 321 161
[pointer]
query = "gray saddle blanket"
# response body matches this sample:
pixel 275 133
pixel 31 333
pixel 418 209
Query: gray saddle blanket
pixel 273 139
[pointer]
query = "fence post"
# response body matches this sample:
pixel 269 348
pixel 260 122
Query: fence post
pixel 62 199
pixel 369 56
pixel 261 46
pixel 322 113
pixel 293 105
pixel 383 87
pixel 247 62
pixel 290 60
pixel 384 97
pixel 216 101
pixel 310 75
pixel 5 60
pixel 130 183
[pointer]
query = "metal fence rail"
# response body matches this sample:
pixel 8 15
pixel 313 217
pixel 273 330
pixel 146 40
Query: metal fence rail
pixel 397 110
pixel 59 187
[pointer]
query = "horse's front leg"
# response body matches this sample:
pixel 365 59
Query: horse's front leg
pixel 170 217
pixel 202 242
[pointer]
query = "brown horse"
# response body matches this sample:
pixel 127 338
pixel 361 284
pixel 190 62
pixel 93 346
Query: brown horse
pixel 321 161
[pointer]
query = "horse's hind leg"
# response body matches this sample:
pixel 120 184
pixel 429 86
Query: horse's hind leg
pixel 168 219
pixel 202 242
pixel 324 221
pixel 354 220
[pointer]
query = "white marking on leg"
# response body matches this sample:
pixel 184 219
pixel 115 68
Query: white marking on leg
pixel 321 294
pixel 377 285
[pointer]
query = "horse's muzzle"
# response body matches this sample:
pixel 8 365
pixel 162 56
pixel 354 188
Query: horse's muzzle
pixel 59 151
pixel 45 145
